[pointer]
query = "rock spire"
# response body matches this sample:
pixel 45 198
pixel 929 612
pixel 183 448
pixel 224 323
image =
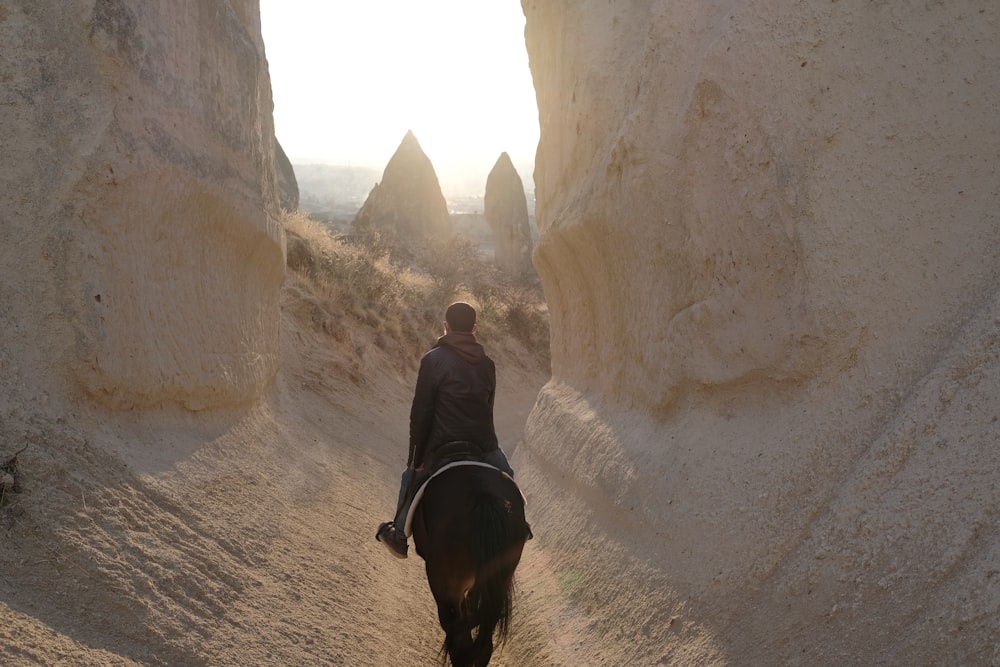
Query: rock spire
pixel 506 211
pixel 407 203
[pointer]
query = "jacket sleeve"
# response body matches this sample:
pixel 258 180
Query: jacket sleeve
pixel 494 441
pixel 422 411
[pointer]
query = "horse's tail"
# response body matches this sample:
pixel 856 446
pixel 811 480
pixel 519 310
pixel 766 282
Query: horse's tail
pixel 491 598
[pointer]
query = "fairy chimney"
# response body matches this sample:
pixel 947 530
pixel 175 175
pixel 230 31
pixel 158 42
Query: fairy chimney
pixel 506 212
pixel 407 204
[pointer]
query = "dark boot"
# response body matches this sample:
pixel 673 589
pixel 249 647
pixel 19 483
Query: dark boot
pixel 387 535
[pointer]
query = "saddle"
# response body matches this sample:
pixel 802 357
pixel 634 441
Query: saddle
pixel 408 527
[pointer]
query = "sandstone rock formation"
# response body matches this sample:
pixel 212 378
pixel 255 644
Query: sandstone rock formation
pixel 770 243
pixel 288 185
pixel 407 204
pixel 143 258
pixel 506 210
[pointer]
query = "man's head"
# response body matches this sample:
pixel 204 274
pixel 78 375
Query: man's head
pixel 460 317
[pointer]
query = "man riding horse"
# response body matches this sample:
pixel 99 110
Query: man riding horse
pixel 451 418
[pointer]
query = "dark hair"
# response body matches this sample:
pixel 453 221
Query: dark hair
pixel 461 317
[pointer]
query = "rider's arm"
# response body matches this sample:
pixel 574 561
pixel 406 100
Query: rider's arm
pixel 421 412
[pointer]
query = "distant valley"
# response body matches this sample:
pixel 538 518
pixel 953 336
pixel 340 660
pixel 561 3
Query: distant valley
pixel 333 194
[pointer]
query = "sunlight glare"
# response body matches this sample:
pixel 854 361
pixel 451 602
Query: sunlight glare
pixel 349 79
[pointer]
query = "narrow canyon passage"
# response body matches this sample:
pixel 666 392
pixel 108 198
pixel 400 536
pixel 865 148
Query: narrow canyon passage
pixel 344 596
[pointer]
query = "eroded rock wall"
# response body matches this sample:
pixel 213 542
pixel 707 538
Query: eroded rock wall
pixel 144 257
pixel 288 185
pixel 770 245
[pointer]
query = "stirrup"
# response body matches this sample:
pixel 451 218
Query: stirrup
pixel 387 535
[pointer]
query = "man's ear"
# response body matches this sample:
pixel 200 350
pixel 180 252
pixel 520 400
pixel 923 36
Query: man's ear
pixel 475 328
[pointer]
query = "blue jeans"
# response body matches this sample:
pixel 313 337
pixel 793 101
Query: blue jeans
pixel 411 480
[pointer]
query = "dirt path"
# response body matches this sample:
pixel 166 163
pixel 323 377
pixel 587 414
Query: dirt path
pixel 369 608
pixel 168 539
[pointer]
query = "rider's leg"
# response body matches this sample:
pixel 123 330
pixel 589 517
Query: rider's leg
pixel 409 484
pixel 498 459
pixel 404 487
pixel 402 506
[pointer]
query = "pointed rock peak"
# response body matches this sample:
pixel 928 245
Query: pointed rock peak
pixel 408 202
pixel 506 211
pixel 410 141
pixel 504 171
pixel 410 159
pixel 409 150
pixel 504 159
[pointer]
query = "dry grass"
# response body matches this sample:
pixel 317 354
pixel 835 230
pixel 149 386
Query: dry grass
pixel 400 293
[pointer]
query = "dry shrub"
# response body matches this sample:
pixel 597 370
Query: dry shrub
pixel 401 292
pixel 518 310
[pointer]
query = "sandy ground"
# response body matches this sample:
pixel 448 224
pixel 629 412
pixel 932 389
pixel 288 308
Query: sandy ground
pixel 245 538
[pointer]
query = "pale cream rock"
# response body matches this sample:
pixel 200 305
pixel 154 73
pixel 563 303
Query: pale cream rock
pixel 143 256
pixel 770 243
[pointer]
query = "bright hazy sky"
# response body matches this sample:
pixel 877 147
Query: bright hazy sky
pixel 349 78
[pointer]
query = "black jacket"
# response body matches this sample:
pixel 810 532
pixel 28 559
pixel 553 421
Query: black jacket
pixel 452 412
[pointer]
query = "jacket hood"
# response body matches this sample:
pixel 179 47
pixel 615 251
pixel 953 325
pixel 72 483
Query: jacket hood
pixel 465 345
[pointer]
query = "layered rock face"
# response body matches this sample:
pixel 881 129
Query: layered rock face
pixel 143 256
pixel 407 204
pixel 288 185
pixel 506 211
pixel 770 244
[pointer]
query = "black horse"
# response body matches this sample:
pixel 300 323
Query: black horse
pixel 470 530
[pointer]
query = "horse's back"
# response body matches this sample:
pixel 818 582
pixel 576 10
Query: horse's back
pixel 454 498
pixel 473 482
